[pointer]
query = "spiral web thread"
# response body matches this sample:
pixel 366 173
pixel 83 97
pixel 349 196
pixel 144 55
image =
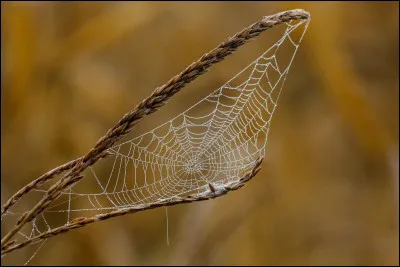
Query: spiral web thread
pixel 209 145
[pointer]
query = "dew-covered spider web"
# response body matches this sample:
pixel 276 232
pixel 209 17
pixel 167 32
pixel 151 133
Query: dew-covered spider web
pixel 213 142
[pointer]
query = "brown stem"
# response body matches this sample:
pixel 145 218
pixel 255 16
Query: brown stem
pixel 36 183
pixel 150 105
pixel 84 221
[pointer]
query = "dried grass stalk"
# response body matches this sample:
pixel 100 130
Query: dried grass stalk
pixel 149 105
pixel 84 221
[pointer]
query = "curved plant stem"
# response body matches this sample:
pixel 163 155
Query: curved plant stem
pixel 84 221
pixel 150 105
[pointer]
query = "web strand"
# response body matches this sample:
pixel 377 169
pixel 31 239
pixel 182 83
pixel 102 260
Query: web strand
pixel 214 141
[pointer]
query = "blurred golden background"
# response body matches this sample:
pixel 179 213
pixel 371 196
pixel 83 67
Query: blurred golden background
pixel 328 190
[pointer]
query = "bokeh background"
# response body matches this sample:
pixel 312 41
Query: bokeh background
pixel 328 190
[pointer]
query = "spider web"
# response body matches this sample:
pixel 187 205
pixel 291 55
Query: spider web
pixel 213 142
